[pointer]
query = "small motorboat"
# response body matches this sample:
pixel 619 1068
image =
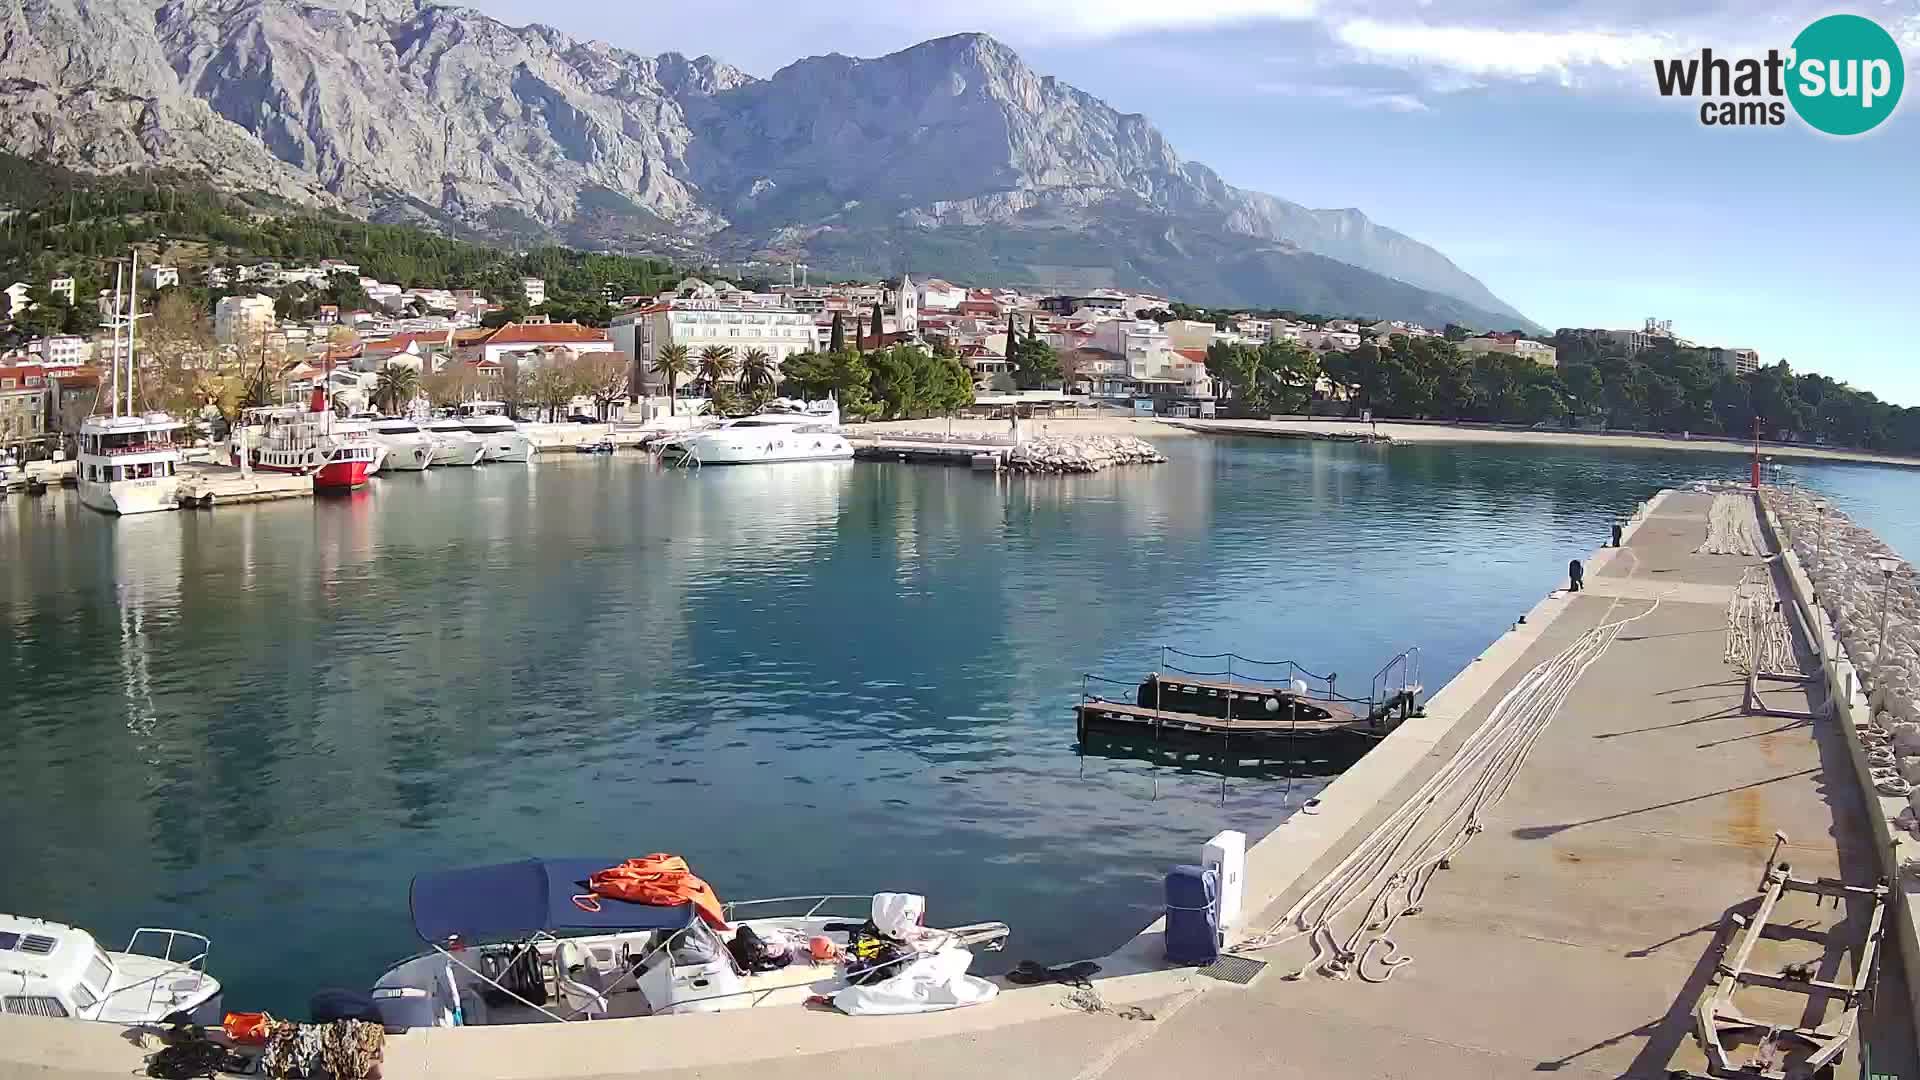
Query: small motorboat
pixel 604 446
pixel 529 942
pixel 55 970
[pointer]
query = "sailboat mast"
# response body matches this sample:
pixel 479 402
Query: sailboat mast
pixel 133 322
pixel 119 272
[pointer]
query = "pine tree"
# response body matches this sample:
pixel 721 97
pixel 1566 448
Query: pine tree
pixel 1013 339
pixel 839 341
pixel 1031 332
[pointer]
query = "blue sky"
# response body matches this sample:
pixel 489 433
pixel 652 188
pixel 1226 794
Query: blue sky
pixel 1523 140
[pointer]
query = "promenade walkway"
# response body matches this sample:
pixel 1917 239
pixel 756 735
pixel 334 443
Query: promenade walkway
pixel 1573 936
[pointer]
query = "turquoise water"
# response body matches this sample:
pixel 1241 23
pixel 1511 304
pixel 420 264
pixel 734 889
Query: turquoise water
pixel 259 722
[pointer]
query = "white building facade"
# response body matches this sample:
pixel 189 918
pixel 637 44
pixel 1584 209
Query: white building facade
pixel 240 320
pixel 698 324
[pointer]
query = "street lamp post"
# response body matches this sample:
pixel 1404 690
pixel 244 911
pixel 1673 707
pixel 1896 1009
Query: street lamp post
pixel 1887 567
pixel 1820 541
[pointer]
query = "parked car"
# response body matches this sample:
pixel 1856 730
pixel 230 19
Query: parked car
pixel 583 418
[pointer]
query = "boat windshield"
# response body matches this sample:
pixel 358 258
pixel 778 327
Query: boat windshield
pixel 127 442
pixel 394 428
pixel 767 423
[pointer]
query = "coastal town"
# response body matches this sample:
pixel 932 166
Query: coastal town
pixel 268 338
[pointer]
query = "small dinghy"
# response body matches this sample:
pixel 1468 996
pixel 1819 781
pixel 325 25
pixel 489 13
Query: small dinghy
pixel 535 942
pixel 604 446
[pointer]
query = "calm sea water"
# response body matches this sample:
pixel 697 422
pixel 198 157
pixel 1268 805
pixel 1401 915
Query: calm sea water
pixel 261 721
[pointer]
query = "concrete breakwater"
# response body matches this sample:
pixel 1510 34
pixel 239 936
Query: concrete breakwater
pixel 1845 563
pixel 1081 454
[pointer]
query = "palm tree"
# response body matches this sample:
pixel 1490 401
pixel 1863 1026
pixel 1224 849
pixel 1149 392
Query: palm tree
pixel 672 362
pixel 757 370
pixel 716 363
pixel 397 386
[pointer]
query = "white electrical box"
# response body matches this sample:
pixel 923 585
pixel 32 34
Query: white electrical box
pixel 1226 856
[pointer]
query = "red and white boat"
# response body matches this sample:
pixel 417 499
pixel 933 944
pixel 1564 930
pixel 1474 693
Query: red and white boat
pixel 310 442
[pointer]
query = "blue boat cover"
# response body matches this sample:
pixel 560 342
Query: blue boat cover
pixel 510 901
pixel 1193 916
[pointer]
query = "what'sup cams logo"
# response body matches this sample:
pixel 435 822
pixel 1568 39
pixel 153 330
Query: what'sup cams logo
pixel 1842 76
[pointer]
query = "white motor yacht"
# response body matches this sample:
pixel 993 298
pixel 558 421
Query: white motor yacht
pixel 55 970
pixel 529 942
pixel 408 448
pixel 453 444
pixel 786 431
pixel 495 428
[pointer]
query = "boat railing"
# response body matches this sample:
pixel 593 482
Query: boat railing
pixel 812 905
pixel 166 940
pixel 1233 666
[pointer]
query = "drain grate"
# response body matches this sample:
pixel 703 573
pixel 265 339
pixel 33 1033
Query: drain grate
pixel 1239 970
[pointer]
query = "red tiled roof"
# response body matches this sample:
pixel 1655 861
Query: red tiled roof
pixel 1198 356
pixel 22 372
pixel 547 334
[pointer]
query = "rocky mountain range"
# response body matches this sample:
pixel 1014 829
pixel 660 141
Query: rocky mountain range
pixel 950 157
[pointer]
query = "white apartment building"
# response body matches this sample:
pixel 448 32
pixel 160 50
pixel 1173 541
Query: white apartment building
pixel 535 289
pixel 941 294
pixel 1736 361
pixel 66 350
pixel 17 301
pixel 61 286
pixel 159 276
pixel 1513 345
pixel 697 324
pixel 1189 333
pixel 240 320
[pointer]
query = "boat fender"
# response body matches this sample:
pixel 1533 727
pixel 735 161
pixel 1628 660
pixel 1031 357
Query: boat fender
pixel 1271 704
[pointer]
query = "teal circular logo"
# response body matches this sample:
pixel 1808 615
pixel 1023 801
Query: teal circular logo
pixel 1846 74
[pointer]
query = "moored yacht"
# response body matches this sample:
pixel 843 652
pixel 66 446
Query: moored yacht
pixel 453 444
pixel 785 431
pixel 55 970
pixel 488 420
pixel 408 448
pixel 127 464
pixel 128 459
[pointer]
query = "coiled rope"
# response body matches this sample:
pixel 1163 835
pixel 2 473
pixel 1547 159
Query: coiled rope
pixel 1391 869
pixel 1732 528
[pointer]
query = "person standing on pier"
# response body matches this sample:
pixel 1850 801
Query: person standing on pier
pixel 1576 576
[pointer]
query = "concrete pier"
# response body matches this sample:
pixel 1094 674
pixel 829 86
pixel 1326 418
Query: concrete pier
pixel 204 483
pixel 1573 935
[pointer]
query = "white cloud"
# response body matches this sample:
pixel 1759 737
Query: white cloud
pixel 1501 53
pixel 1355 96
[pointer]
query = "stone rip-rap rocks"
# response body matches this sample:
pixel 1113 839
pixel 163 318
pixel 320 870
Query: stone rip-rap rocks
pixel 1081 454
pixel 1843 562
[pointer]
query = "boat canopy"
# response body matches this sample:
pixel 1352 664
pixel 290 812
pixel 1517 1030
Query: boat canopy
pixel 509 901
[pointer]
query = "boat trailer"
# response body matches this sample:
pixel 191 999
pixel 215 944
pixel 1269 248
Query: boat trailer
pixel 1716 1016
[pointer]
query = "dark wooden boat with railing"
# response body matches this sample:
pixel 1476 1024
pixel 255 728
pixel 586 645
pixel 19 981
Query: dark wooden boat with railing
pixel 1251 699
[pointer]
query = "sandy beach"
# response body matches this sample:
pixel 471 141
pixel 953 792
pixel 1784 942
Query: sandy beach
pixel 1398 432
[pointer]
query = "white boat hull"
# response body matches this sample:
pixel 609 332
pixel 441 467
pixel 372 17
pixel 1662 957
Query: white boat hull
pixel 131 496
pixel 407 457
pixel 461 452
pixel 708 451
pixel 507 447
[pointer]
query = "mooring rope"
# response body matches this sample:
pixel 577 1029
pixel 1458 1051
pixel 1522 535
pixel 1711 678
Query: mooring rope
pixel 1732 528
pixel 1391 869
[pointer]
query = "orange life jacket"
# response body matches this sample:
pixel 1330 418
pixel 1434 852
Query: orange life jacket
pixel 656 879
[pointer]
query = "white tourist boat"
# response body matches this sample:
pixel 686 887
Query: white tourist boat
pixel 785 431
pixel 128 463
pixel 453 444
pixel 408 449
pixel 519 943
pixel 503 439
pixel 55 970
